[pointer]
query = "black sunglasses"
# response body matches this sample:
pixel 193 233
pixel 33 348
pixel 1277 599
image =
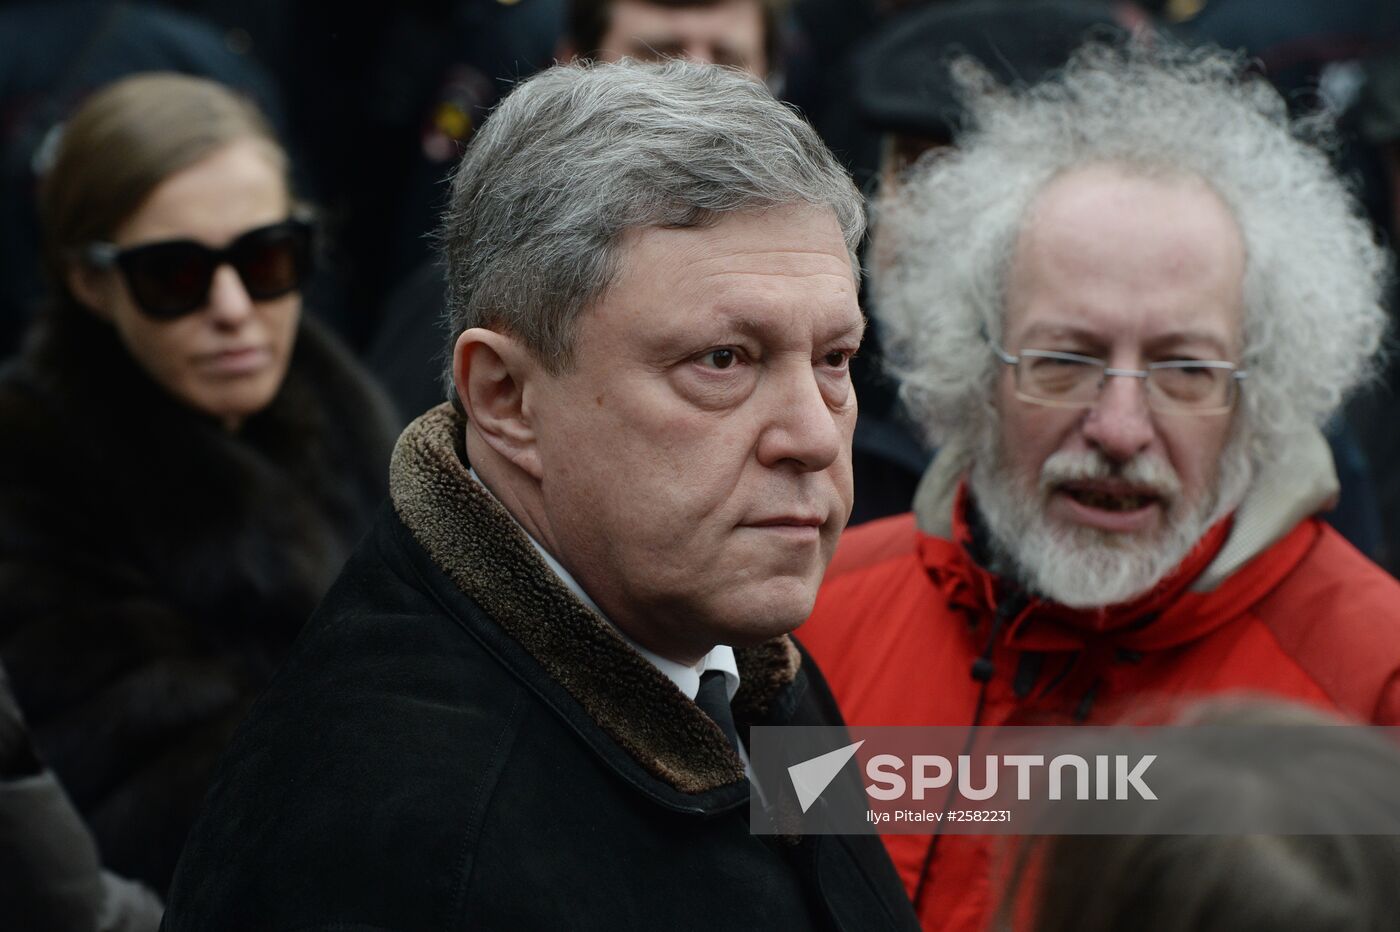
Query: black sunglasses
pixel 171 278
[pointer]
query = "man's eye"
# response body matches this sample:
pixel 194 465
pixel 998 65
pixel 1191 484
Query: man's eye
pixel 837 359
pixel 720 358
pixel 1052 362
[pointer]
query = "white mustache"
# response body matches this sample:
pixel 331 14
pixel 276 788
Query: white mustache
pixel 1147 472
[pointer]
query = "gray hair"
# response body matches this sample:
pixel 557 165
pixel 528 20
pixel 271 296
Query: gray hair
pixel 1315 276
pixel 579 154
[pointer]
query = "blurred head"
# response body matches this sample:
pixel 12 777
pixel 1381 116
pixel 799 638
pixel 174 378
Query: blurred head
pixel 1150 206
pixel 738 33
pixel 652 289
pixel 1281 764
pixel 163 183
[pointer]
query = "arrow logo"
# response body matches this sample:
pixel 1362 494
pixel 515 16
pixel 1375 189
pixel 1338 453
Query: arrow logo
pixel 811 777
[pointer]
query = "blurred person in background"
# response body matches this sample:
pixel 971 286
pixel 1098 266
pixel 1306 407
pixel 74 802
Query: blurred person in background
pixel 1122 306
pixel 192 457
pixel 408 82
pixel 52 55
pixel 741 34
pixel 1281 764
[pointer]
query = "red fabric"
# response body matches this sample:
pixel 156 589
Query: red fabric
pixel 901 617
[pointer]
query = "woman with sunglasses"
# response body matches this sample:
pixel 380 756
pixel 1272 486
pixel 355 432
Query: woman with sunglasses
pixel 187 458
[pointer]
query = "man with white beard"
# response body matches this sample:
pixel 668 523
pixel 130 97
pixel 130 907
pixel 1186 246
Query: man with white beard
pixel 1121 307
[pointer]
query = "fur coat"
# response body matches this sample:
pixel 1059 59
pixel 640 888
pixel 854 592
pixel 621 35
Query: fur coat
pixel 154 568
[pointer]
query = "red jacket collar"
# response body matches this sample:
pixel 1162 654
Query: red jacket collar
pixel 1166 615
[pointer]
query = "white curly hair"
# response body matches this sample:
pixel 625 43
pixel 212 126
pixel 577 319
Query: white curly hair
pixel 1315 276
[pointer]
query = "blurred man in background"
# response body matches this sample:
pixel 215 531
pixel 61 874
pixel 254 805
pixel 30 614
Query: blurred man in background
pixel 740 34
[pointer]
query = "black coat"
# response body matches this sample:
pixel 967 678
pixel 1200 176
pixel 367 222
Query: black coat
pixel 51 878
pixel 154 568
pixel 458 743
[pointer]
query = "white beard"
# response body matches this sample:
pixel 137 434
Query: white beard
pixel 1082 567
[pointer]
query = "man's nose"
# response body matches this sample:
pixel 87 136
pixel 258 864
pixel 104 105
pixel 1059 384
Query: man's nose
pixel 802 427
pixel 1120 422
pixel 229 300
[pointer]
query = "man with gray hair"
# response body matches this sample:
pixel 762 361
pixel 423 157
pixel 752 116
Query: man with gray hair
pixel 1122 307
pixel 525 703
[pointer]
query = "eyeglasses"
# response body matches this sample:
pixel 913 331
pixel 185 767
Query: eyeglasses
pixel 171 278
pixel 1069 380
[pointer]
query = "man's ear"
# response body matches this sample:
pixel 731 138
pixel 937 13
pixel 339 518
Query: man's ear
pixel 496 378
pixel 88 286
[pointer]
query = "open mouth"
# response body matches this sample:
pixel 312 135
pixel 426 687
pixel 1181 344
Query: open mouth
pixel 1111 501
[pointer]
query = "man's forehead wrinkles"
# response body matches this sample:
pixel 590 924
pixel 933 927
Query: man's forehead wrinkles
pixel 703 248
pixel 826 325
pixel 763 284
pixel 787 264
pixel 766 297
pixel 734 278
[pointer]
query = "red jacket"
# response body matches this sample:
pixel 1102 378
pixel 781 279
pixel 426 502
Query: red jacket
pixel 903 615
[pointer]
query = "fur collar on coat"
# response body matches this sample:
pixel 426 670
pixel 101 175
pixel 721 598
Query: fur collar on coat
pixel 471 537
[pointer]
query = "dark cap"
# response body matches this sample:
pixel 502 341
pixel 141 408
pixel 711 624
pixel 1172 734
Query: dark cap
pixel 1378 109
pixel 903 85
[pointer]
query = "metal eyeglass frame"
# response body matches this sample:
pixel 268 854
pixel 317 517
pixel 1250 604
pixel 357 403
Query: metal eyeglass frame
pixel 1237 374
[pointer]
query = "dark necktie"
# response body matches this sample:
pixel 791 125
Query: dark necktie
pixel 713 700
